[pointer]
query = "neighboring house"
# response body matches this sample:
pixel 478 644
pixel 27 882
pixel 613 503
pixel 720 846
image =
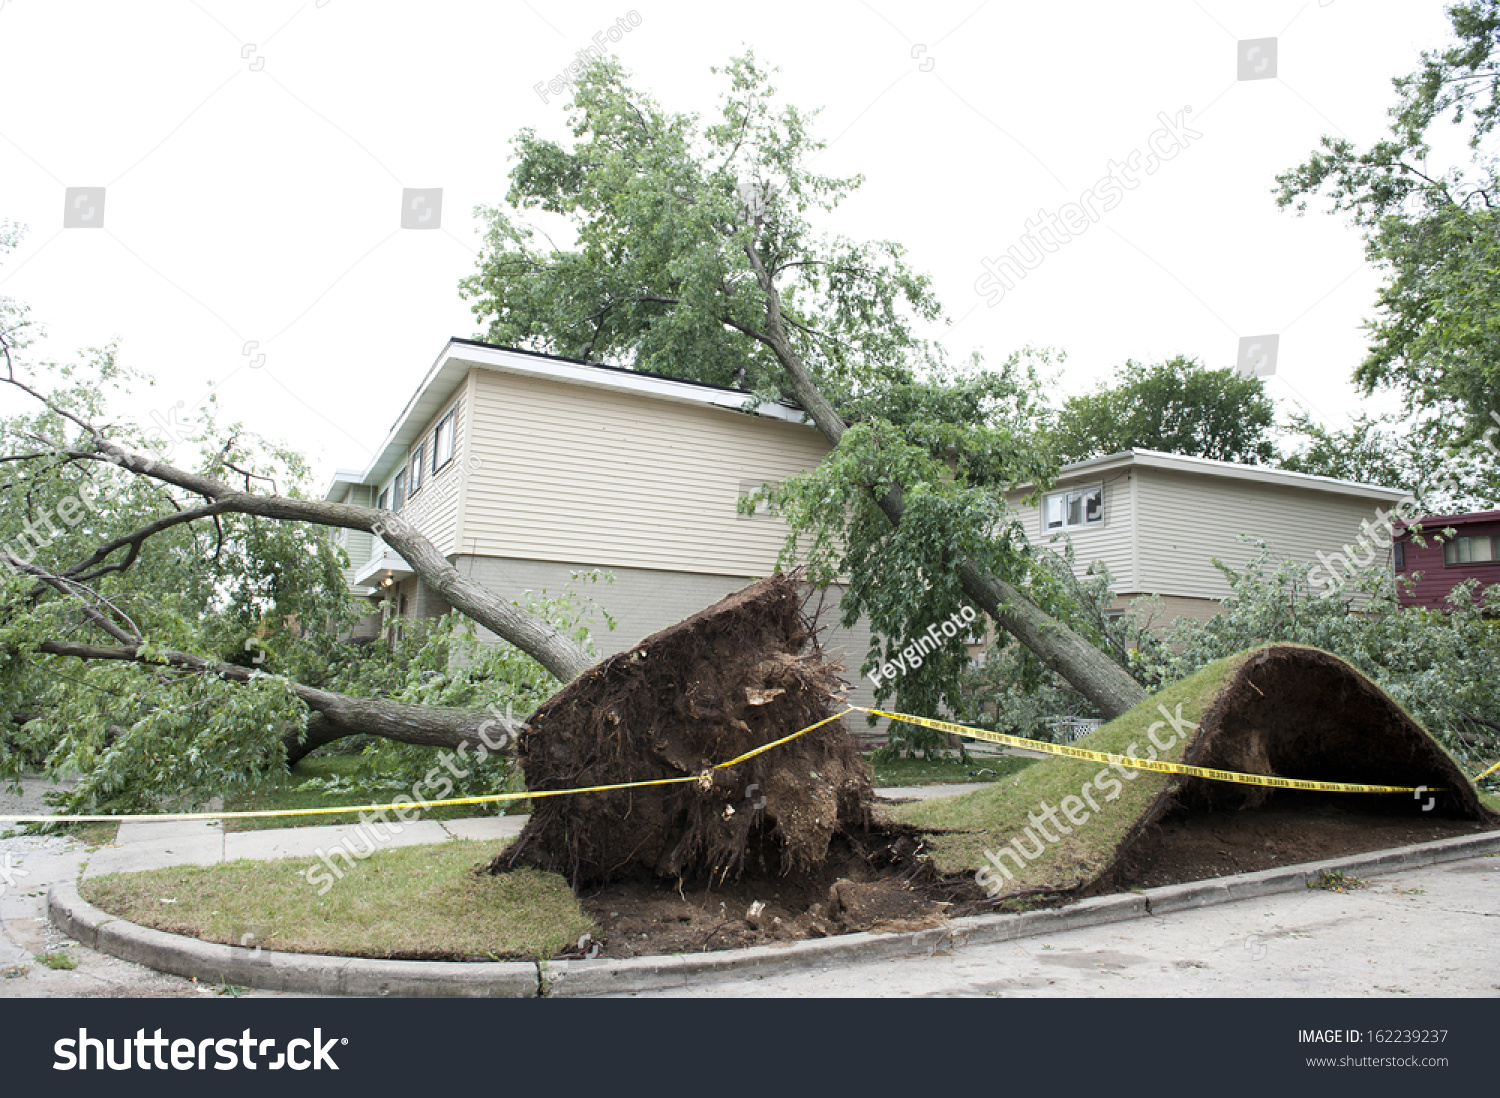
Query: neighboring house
pixel 1158 520
pixel 522 468
pixel 1443 563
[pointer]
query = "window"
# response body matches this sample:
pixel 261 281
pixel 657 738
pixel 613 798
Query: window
pixel 385 498
pixel 442 441
pixel 1074 507
pixel 1481 550
pixel 1400 548
pixel 398 491
pixel 414 480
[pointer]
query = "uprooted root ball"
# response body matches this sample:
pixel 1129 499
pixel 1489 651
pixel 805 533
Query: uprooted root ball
pixel 733 677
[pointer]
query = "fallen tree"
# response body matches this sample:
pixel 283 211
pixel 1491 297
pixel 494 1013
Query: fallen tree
pixel 339 715
pixel 81 477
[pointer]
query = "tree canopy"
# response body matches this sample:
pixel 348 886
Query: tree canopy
pixel 1430 225
pixel 701 251
pixel 1177 406
pixel 674 223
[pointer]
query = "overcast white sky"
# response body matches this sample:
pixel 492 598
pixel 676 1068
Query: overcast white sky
pixel 253 158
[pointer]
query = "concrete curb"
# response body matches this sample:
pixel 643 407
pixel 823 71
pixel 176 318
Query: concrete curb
pixel 322 975
pixel 213 964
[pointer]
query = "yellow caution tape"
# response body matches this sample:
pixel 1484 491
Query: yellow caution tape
pixel 1488 772
pixel 1143 764
pixel 703 779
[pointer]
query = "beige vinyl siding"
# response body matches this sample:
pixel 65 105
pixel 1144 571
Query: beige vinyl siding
pixel 642 601
pixel 434 509
pixel 574 474
pixel 1186 520
pixel 1160 611
pixel 358 545
pixel 1109 542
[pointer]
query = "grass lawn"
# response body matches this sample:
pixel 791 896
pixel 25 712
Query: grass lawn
pixel 945 772
pixel 281 792
pixel 414 902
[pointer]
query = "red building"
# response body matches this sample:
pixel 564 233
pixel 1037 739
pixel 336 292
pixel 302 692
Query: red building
pixel 1441 565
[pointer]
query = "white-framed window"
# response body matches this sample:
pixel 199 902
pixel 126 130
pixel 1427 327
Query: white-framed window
pixel 442 440
pixel 382 504
pixel 1073 507
pixel 398 491
pixel 414 472
pixel 1480 550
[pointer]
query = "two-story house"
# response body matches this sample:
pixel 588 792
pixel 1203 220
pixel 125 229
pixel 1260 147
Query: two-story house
pixel 1158 521
pixel 522 468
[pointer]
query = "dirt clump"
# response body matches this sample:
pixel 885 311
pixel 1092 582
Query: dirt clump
pixel 871 881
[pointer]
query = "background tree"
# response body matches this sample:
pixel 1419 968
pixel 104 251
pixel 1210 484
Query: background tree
pixel 1432 230
pixel 1389 451
pixel 169 633
pixel 163 650
pixel 1177 406
pixel 1370 450
pixel 691 250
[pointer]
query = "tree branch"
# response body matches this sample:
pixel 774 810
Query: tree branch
pixel 426 725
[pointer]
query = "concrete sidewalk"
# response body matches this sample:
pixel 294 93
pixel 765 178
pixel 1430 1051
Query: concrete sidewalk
pixel 205 842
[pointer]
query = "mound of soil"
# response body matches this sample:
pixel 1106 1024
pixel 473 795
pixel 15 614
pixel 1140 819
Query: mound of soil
pixel 870 881
pixel 1305 713
pixel 879 880
pixel 731 678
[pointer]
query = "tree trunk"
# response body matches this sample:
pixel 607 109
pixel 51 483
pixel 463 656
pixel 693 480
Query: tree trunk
pixel 1089 671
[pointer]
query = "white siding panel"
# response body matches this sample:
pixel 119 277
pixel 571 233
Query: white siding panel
pixel 610 479
pixel 1186 520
